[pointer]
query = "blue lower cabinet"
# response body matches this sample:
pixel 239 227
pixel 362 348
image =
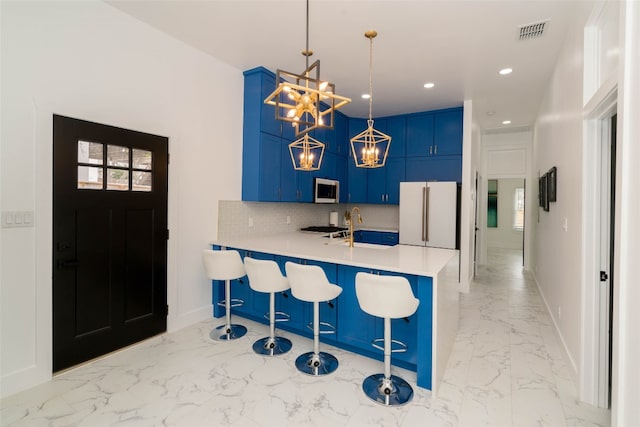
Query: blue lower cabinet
pixel 357 329
pixel 328 309
pixel 406 330
pixel 256 304
pixel 377 237
pixel 289 304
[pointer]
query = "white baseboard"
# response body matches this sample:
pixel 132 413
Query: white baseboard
pixel 186 319
pixel 573 368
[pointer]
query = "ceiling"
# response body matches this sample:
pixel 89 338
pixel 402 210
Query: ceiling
pixel 458 45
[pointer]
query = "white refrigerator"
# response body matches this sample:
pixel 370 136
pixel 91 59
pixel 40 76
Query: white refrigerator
pixel 428 214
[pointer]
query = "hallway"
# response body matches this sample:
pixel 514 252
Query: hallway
pixel 506 369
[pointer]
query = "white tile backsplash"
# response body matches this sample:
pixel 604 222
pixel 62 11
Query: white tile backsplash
pixel 237 218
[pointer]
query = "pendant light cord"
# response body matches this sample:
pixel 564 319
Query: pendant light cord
pixel 370 122
pixel 307 48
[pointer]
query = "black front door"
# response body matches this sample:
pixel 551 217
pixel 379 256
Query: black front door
pixel 109 239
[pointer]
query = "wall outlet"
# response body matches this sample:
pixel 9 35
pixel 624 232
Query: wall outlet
pixel 288 219
pixel 250 222
pixel 559 313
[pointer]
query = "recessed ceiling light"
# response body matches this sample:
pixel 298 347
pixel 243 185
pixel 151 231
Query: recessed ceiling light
pixel 506 122
pixel 429 85
pixel 366 96
pixel 506 71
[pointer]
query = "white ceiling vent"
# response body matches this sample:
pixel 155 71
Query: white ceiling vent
pixel 532 31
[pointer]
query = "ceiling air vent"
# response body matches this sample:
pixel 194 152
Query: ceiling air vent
pixel 532 31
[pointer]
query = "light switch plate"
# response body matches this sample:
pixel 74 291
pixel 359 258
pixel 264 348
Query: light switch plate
pixel 17 219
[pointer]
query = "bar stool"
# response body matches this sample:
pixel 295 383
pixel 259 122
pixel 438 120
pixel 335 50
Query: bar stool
pixel 310 284
pixel 225 265
pixel 389 297
pixel 265 276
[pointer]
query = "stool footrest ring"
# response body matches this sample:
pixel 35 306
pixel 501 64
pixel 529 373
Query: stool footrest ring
pixel 401 347
pixel 235 302
pixel 330 329
pixel 279 316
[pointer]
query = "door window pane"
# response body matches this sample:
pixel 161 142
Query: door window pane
pixel 90 152
pixel 90 177
pixel 141 181
pixel 118 179
pixel 141 159
pixel 117 156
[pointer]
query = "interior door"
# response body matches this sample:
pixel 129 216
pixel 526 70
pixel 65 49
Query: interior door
pixel 109 239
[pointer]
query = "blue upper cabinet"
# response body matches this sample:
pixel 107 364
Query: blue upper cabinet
pixel 419 134
pixel 356 177
pixel 396 128
pixel 447 134
pixel 424 146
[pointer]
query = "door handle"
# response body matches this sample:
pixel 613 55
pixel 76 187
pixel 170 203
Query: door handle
pixel 426 217
pixel 69 264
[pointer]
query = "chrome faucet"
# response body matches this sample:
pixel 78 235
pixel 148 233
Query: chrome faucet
pixel 351 221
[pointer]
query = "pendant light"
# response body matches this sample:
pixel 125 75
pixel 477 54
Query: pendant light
pixel 370 147
pixel 304 100
pixel 306 153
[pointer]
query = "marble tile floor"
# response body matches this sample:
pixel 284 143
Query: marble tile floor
pixel 506 369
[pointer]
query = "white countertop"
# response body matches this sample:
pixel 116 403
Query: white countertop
pixel 415 260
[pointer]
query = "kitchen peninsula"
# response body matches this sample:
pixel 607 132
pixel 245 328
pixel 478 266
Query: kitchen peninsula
pixel 432 272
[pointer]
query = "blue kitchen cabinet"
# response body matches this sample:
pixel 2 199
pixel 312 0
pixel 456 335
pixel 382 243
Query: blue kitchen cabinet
pixel 447 139
pixel 383 184
pixel 255 303
pixel 441 168
pixel 261 169
pixel 435 133
pixel 405 330
pixel 301 312
pixel 396 128
pixel 419 133
pixel 287 303
pixel 357 329
pixel 377 237
pixel 356 182
pixel 390 239
pixel 356 177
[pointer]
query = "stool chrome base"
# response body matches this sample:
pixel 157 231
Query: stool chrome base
pixel 388 392
pixel 268 346
pixel 221 333
pixel 316 364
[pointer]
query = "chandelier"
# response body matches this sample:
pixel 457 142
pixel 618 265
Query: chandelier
pixel 304 100
pixel 370 147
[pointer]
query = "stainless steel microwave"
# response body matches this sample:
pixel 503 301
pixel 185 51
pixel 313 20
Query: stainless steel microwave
pixel 326 190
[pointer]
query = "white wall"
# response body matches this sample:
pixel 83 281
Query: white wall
pixel 88 60
pixel 470 165
pixel 504 236
pixel 558 139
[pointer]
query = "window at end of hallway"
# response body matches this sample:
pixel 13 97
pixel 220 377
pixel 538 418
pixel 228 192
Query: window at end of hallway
pixel 518 209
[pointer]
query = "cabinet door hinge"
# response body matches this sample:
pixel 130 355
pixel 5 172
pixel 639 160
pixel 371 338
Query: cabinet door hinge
pixel 604 276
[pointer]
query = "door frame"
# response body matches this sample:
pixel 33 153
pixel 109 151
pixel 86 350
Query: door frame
pixel 593 382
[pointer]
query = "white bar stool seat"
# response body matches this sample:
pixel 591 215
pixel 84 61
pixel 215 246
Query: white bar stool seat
pixel 309 283
pixel 389 297
pixel 265 276
pixel 225 265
